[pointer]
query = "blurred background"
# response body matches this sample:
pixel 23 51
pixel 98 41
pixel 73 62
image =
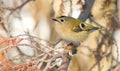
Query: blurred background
pixel 27 34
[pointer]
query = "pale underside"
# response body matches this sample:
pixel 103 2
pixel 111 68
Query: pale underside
pixel 69 35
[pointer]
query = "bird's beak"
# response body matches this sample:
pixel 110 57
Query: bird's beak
pixel 54 19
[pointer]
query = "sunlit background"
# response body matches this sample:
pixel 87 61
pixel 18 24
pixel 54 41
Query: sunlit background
pixel 27 35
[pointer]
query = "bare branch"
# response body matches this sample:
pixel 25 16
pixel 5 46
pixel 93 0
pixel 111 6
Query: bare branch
pixel 86 12
pixel 20 6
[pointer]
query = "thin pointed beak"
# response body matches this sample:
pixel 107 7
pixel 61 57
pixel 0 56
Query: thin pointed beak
pixel 54 19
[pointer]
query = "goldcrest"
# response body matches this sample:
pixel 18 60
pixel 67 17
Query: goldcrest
pixel 71 29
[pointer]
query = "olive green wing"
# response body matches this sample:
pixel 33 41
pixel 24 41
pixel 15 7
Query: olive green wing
pixel 76 26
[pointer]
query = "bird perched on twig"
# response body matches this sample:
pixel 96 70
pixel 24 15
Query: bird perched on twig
pixel 72 29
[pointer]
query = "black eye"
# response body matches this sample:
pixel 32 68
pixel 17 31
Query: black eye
pixel 62 20
pixel 82 25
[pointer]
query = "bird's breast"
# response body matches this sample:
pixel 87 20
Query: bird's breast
pixel 68 34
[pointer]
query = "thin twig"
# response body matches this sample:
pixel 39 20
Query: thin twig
pixel 19 7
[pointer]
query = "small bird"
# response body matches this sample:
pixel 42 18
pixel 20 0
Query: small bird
pixel 73 30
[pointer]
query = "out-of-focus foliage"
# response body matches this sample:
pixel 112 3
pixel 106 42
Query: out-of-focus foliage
pixel 27 35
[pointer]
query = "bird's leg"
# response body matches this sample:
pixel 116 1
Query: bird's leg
pixel 71 48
